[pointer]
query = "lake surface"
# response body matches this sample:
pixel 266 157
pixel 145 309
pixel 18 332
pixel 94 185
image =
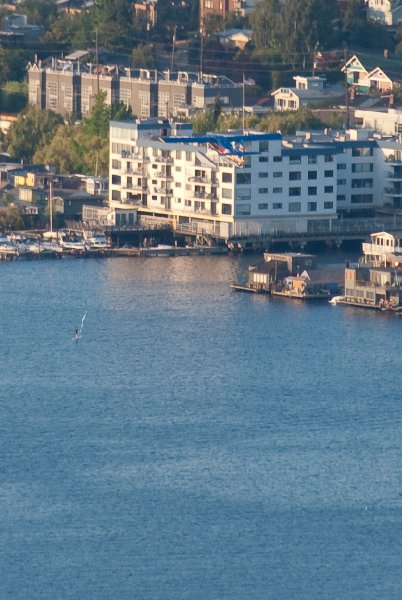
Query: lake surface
pixel 196 443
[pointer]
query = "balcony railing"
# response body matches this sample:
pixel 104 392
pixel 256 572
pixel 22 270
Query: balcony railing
pixel 162 175
pixel 166 160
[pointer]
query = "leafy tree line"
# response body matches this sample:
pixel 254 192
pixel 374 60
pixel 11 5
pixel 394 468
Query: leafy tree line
pixel 286 122
pixel 43 137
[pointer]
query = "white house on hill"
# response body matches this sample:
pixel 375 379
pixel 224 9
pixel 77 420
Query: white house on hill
pixel 308 91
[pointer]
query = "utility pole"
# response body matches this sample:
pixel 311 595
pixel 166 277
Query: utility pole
pixel 201 51
pixel 315 58
pixel 97 59
pixel 173 47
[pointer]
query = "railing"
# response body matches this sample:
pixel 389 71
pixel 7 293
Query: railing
pixel 162 175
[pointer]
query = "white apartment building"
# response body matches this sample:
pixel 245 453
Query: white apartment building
pixel 235 182
pixel 387 121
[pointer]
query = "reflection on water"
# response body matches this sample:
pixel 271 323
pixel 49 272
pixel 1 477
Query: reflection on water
pixel 197 443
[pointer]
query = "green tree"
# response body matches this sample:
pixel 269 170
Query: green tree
pixel 114 21
pixel 292 29
pixel 98 122
pixel 72 30
pixel 39 12
pixel 10 217
pixel 32 131
pixel 143 57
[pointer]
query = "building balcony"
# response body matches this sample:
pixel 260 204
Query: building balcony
pixel 165 160
pixel 392 175
pixel 393 192
pixel 377 249
pixel 198 179
pixel 139 172
pixel 140 188
pixel 164 191
pixel 391 160
pixel 162 175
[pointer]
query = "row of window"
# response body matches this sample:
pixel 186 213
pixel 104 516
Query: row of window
pixel 293 207
pixel 245 178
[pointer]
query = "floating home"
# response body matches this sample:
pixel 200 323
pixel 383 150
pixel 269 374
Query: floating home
pixel 375 282
pixel 285 274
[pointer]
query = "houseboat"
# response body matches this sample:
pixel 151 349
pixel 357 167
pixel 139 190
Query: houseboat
pixel 376 280
pixel 300 287
pixel 285 274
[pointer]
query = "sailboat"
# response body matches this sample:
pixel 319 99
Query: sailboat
pixel 78 331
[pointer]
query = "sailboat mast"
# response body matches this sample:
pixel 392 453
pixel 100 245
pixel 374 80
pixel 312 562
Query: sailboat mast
pixel 51 204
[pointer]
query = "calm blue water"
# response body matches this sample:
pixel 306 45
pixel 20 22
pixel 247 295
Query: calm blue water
pixel 196 444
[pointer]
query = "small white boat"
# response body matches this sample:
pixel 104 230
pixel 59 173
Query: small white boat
pixel 98 242
pixel 336 299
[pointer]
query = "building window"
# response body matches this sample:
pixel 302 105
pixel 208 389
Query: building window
pixel 362 198
pixel 226 209
pixel 295 176
pixel 294 160
pixel 328 173
pixel 116 180
pixel 243 210
pixel 243 178
pixel 264 146
pixel 278 174
pixel 312 159
pixel 178 154
pixel 277 158
pixel 277 190
pixel 341 198
pixel 227 193
pixel 329 158
pixel 312 206
pixel 277 205
pixel 116 164
pixel 362 152
pixel 294 191
pixel 362 183
pixel 263 206
pixel 312 175
pixel 187 202
pixel 263 190
pixel 263 159
pixel 341 182
pixel 294 206
pixel 312 191
pixel 262 175
pixel 328 189
pixel 362 167
pixel 328 205
pixel 341 167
